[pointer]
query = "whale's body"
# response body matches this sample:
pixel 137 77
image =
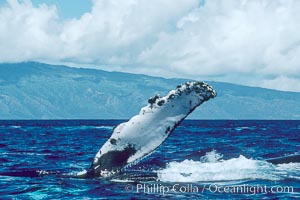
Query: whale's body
pixel 143 133
pixel 285 159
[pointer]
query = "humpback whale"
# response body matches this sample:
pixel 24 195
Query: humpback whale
pixel 143 133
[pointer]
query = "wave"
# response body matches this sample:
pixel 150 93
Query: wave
pixel 212 167
pixel 12 127
pixel 95 127
pixel 104 127
pixel 25 153
pixel 28 173
pixel 75 128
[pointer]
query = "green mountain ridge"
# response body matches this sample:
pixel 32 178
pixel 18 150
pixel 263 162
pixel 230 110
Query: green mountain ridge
pixel 41 91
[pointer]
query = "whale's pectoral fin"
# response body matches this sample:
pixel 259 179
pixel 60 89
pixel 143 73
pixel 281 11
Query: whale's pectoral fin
pixel 143 133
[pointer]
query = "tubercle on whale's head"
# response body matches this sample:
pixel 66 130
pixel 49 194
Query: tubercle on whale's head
pixel 203 89
pixel 208 89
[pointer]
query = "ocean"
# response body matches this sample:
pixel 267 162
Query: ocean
pixel 201 159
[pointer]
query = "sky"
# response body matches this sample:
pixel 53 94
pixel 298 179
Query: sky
pixel 248 42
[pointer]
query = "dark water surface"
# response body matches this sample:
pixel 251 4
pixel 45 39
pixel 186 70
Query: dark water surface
pixel 201 159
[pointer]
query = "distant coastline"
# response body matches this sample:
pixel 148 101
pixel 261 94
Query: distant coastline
pixel 34 90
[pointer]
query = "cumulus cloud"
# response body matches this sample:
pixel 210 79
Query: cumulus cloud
pixel 116 31
pixel 233 36
pixel 251 42
pixel 28 33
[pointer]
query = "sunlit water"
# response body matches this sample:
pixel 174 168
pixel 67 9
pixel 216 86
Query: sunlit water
pixel 201 159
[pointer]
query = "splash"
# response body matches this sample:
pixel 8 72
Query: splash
pixel 212 167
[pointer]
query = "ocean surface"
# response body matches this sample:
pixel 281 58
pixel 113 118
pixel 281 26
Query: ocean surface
pixel 202 159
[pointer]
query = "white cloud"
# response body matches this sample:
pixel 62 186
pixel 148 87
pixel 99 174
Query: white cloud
pixel 28 33
pixel 116 31
pixel 232 36
pixel 282 83
pixel 241 41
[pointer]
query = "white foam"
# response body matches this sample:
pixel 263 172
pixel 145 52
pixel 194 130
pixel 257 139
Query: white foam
pixel 15 127
pixel 83 172
pixel 211 157
pixel 290 170
pixel 122 180
pixel 245 128
pixel 42 172
pixel 212 168
pixel 105 127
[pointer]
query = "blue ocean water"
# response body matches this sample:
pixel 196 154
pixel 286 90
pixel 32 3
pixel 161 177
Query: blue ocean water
pixel 201 159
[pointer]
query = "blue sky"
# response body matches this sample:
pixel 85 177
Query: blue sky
pixel 66 8
pixel 249 42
